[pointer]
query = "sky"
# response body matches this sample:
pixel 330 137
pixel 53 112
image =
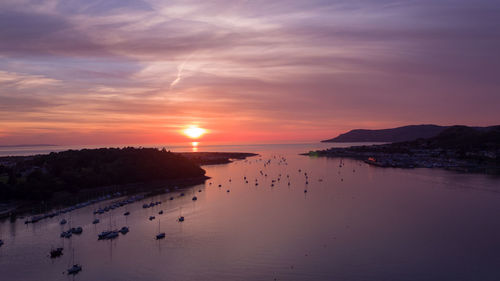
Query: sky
pixel 131 71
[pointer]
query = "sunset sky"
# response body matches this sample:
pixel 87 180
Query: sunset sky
pixel 127 71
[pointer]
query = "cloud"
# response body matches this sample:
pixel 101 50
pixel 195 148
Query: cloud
pixel 259 63
pixel 23 81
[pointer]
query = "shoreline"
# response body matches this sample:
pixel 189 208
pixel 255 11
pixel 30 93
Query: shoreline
pixel 383 156
pixel 21 208
pixel 16 208
pixel 215 158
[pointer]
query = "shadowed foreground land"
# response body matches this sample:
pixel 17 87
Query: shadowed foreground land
pixel 40 177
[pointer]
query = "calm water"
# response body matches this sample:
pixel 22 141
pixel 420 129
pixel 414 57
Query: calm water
pixel 358 223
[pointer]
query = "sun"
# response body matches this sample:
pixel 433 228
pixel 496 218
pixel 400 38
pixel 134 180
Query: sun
pixel 194 132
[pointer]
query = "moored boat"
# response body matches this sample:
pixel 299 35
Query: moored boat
pixel 161 235
pixel 54 253
pixel 124 230
pixel 75 269
pixel 77 230
pixel 66 234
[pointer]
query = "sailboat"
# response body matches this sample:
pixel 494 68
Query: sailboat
pixel 181 218
pixel 161 235
pixel 54 253
pixel 124 230
pixel 194 196
pixel 76 267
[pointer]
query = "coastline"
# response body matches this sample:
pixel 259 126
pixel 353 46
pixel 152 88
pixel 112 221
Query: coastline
pixel 215 158
pixel 388 156
pixel 14 208
pixel 18 208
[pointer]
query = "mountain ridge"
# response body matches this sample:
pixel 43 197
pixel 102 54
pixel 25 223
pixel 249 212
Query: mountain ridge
pixel 398 134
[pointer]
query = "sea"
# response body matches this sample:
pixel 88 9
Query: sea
pixel 276 216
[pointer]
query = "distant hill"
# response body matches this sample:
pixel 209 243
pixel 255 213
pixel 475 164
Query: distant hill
pixel 400 134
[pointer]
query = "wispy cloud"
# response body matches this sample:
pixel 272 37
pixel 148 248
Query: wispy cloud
pixel 180 68
pixel 22 81
pixel 289 66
